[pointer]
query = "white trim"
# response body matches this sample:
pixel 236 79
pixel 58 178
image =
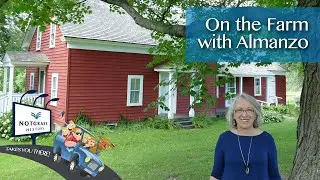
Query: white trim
pixel 38 40
pixel 241 85
pixel 235 91
pixel 54 75
pixel 31 79
pixel 254 86
pixel 89 44
pixel 53 28
pixel 217 91
pixel 44 80
pixel 241 75
pixel 130 77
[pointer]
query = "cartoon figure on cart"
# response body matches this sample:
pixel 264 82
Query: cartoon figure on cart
pixel 80 148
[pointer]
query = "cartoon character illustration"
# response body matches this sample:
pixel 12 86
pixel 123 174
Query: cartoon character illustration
pixel 65 132
pixel 76 149
pixel 91 142
pixel 74 138
pixel 102 145
pixel 71 125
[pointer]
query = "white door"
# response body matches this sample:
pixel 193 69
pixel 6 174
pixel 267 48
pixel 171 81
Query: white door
pixel 271 89
pixel 231 88
pixel 164 91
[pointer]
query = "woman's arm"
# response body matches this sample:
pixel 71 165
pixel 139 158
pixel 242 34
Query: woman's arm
pixel 273 161
pixel 218 161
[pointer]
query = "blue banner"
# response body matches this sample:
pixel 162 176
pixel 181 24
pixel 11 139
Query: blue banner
pixel 252 34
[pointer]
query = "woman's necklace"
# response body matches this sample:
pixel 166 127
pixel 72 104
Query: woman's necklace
pixel 247 169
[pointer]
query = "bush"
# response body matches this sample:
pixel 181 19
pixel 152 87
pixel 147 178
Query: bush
pixel 202 121
pixel 271 116
pixel 159 122
pixel 6 129
pixel 83 119
pixel 290 109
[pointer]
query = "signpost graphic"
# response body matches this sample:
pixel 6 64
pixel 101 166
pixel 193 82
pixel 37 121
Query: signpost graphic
pixel 31 120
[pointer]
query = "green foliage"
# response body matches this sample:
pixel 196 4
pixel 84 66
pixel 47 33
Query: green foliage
pixel 83 119
pixel 290 109
pixel 294 75
pixel 270 116
pixel 40 13
pixel 6 129
pixel 203 121
pixel 159 122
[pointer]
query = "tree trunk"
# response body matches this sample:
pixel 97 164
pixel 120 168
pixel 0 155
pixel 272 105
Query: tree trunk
pixel 307 159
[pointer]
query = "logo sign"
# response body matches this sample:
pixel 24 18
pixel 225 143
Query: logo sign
pixel 29 120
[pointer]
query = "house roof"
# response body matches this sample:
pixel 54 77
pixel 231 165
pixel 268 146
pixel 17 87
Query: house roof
pixel 244 70
pixel 105 25
pixel 25 58
pixel 253 70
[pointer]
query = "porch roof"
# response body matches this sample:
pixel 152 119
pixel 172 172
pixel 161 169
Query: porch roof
pixel 167 68
pixel 250 70
pixel 17 58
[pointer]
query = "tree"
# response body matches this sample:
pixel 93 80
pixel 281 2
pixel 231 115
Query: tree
pixel 163 17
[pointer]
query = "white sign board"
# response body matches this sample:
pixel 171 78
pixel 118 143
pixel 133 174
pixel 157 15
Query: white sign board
pixel 29 120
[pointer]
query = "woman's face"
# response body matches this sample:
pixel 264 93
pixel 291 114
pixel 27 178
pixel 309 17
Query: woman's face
pixel 244 114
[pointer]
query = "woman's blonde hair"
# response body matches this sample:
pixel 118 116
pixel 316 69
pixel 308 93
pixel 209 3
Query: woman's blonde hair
pixel 256 106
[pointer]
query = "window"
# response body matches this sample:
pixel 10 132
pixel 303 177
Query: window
pixel 231 90
pixel 257 86
pixel 31 82
pixel 135 90
pixel 54 88
pixel 52 41
pixel 38 42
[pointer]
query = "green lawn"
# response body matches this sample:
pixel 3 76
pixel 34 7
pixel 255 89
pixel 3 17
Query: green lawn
pixel 157 154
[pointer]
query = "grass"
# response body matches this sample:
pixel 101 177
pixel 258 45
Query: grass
pixel 157 154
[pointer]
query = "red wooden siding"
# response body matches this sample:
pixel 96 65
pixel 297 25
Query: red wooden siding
pixel 248 87
pixel 30 70
pixel 58 57
pixel 183 101
pixel 281 88
pixel 210 85
pixel 98 84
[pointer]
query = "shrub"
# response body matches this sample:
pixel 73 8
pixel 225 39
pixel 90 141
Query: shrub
pixel 160 122
pixel 83 119
pixel 271 116
pixel 6 129
pixel 290 109
pixel 202 121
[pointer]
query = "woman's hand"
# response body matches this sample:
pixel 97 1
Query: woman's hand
pixel 213 178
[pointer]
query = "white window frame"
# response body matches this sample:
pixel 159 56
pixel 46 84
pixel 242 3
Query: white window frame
pixel 38 41
pixel 54 75
pixel 44 80
pixel 196 89
pixel 217 91
pixel 53 30
pixel 227 89
pixel 256 87
pixel 130 77
pixel 31 79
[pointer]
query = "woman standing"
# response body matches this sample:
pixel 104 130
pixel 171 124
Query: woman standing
pixel 245 152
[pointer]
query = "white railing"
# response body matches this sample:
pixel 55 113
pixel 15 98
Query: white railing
pixel 3 103
pixel 263 103
pixel 27 99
